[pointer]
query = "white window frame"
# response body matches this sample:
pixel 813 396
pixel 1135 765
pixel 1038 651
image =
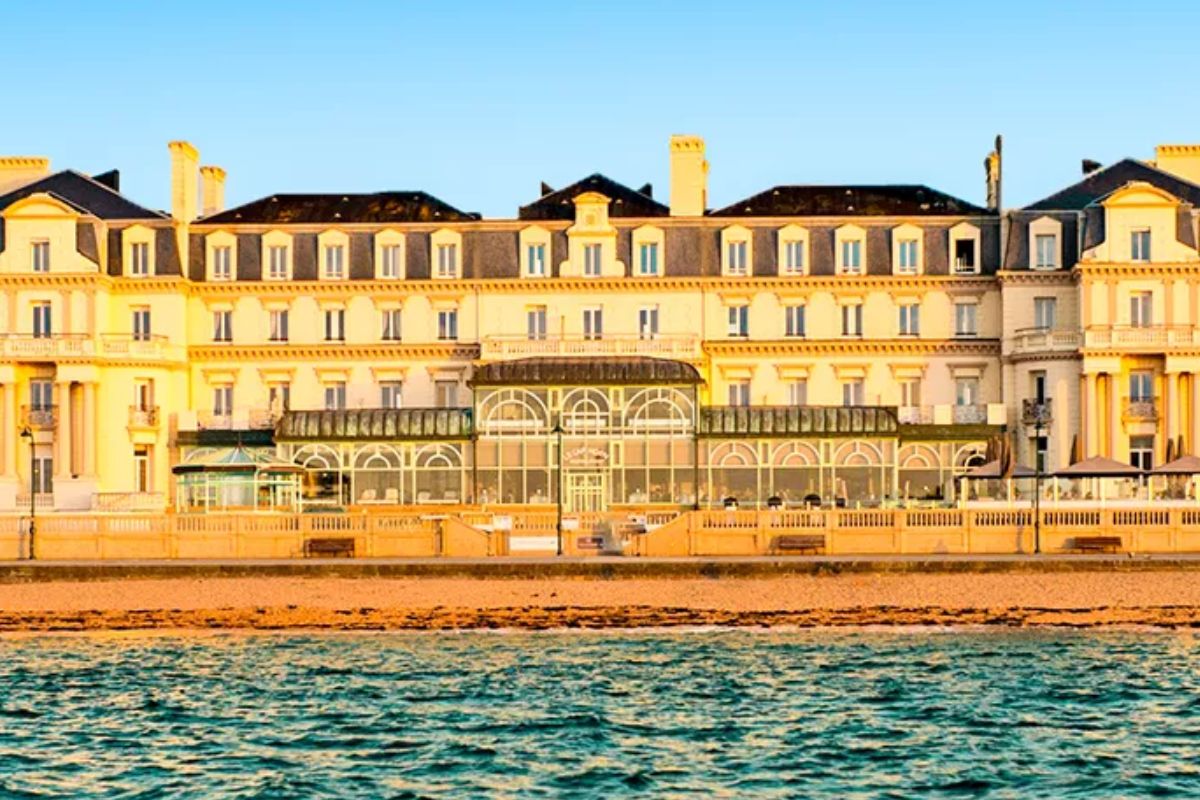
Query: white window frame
pixel 1141 309
pixel 965 231
pixel 335 395
pixel 852 320
pixel 648 259
pixel 277 325
pixel 737 251
pixel 335 324
pixel 795 322
pixel 593 323
pixel 966 311
pixel 1140 245
pixel 593 259
pixel 392 328
pixel 739 393
pixel 447 322
pixel 222 400
pixel 853 392
pixel 222 330
pixel 1043 319
pixel 648 322
pixel 222 262
pixel 908 322
pixel 42 319
pixel 39 255
pixel 333 261
pixel 391 394
pixel 739 321
pixel 536 323
pixel 139 259
pixel 793 252
pixel 278 262
pixel 140 323
pixel 798 392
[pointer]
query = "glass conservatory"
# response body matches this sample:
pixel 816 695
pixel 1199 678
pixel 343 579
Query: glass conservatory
pixel 236 479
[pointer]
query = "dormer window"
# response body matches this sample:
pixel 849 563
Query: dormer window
pixel 1139 245
pixel 906 263
pixel 535 260
pixel 648 258
pixel 139 259
pixel 335 262
pixel 736 257
pixel 222 263
pixel 1045 251
pixel 851 257
pixel 964 249
pixel 793 257
pixel 737 251
pixel 41 255
pixel 277 263
pixel 389 261
pixel 593 255
pixel 793 250
pixel 447 261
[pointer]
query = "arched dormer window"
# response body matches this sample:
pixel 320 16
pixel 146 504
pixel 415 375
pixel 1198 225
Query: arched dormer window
pixel 850 250
pixel 334 249
pixel 908 250
pixel 220 256
pixel 389 255
pixel 137 251
pixel 534 242
pixel 964 249
pixel 446 251
pixel 277 256
pixel 649 251
pixel 793 250
pixel 1045 243
pixel 737 251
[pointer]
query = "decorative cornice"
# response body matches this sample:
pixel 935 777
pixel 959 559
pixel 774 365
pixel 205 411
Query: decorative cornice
pixel 165 284
pixel 1043 355
pixel 865 347
pixel 1037 277
pixel 44 280
pixel 323 352
pixel 1140 269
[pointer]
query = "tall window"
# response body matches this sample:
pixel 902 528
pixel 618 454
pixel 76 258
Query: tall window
pixel 739 393
pixel 1141 309
pixel 1041 453
pixel 1141 452
pixel 277 262
pixel 910 319
pixel 966 391
pixel 852 256
pixel 391 325
pixel 389 394
pixel 907 251
pixel 1141 386
pixel 279 396
pixel 447 261
pixel 736 256
pixel 143 395
pixel 141 323
pixel 966 319
pixel 793 321
pixel 335 324
pixel 222 266
pixel 910 392
pixel 793 257
pixel 852 320
pixel 335 395
pixel 853 391
pixel 1139 245
pixel 798 392
pixel 593 323
pixel 1045 313
pixel 592 254
pixel 278 324
pixel 535 323
pixel 535 258
pixel 139 259
pixel 43 475
pixel 964 256
pixel 41 255
pixel 390 255
pixel 1038 381
pixel 41 394
pixel 739 321
pixel 1045 251
pixel 448 324
pixel 222 400
pixel 41 320
pixel 222 326
pixel 445 393
pixel 141 469
pixel 648 322
pixel 335 262
pixel 648 258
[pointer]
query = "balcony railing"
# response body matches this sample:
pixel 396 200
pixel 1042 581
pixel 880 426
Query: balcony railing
pixel 1037 413
pixel 969 415
pixel 143 417
pixel 915 415
pixel 1041 340
pixel 683 346
pixel 118 345
pixel 1142 337
pixel 39 418
pixel 254 419
pixel 42 501
pixel 78 345
pixel 1140 409
pixel 129 501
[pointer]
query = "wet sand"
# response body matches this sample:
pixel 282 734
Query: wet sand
pixel 1084 599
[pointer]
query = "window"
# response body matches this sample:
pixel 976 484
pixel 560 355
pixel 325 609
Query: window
pixel 1141 452
pixel 389 394
pixel 535 323
pixel 141 470
pixel 41 320
pixel 335 324
pixel 592 254
pixel 648 322
pixel 910 393
pixel 1139 245
pixel 448 324
pixel 910 319
pixel 139 259
pixel 1141 309
pixel 279 396
pixel 853 391
pixel 535 260
pixel 964 256
pixel 852 256
pixel 906 250
pixel 335 395
pixel 1141 386
pixel 1045 251
pixel 966 319
pixel 852 320
pixel 222 400
pixel 391 325
pixel 966 391
pixel 793 320
pixel 41 394
pixel 648 258
pixel 222 263
pixel 41 255
pixel 793 257
pixel 447 261
pixel 390 261
pixel 593 323
pixel 1041 453
pixel 141 323
pixel 445 393
pixel 798 392
pixel 335 262
pixel 277 262
pixel 1045 313
pixel 1038 384
pixel 278 324
pixel 739 393
pixel 43 475
pixel 736 256
pixel 143 395
pixel 739 321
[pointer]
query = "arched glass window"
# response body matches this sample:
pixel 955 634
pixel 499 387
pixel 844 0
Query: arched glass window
pixel 513 411
pixel 438 474
pixel 377 476
pixel 323 480
pixel 659 410
pixel 585 411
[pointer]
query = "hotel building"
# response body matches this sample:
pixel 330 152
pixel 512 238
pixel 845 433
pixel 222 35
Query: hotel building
pixel 854 344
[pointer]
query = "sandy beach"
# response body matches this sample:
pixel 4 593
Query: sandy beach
pixel 1158 598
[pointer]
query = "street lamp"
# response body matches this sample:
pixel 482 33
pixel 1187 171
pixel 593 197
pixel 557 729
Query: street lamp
pixel 27 435
pixel 1038 416
pixel 558 431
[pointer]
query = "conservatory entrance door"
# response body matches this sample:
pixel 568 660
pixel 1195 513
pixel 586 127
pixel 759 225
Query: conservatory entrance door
pixel 584 491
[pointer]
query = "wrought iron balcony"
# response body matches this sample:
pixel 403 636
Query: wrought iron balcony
pixel 1037 413
pixel 1140 409
pixel 39 418
pixel 677 346
pixel 144 417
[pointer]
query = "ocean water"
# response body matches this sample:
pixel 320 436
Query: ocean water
pixel 628 714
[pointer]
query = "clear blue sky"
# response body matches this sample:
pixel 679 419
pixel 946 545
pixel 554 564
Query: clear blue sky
pixel 478 102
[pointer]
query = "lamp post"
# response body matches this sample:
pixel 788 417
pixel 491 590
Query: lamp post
pixel 558 495
pixel 1038 427
pixel 27 435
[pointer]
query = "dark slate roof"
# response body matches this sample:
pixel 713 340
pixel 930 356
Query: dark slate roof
pixel 84 194
pixel 626 202
pixel 771 421
pixel 586 371
pixel 1106 181
pixel 898 200
pixel 300 209
pixel 393 424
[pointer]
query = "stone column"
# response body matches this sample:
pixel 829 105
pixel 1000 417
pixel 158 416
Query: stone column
pixel 12 427
pixel 62 434
pixel 1114 417
pixel 1090 417
pixel 89 429
pixel 1172 417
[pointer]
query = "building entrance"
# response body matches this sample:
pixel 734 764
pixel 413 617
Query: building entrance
pixel 584 491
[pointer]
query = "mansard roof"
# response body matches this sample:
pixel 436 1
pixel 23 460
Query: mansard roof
pixel 85 194
pixel 301 209
pixel 626 202
pixel 899 200
pixel 1104 182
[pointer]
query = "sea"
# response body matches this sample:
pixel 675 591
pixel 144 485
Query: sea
pixel 648 713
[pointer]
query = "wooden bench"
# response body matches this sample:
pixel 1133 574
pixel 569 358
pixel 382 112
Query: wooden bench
pixel 797 543
pixel 589 542
pixel 1097 544
pixel 316 548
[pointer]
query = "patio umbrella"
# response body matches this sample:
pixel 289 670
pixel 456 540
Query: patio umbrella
pixel 1099 467
pixel 1183 465
pixel 994 469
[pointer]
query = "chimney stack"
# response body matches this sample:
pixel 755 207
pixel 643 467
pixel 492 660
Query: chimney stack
pixel 992 166
pixel 184 162
pixel 1181 160
pixel 18 171
pixel 212 190
pixel 1089 166
pixel 689 177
